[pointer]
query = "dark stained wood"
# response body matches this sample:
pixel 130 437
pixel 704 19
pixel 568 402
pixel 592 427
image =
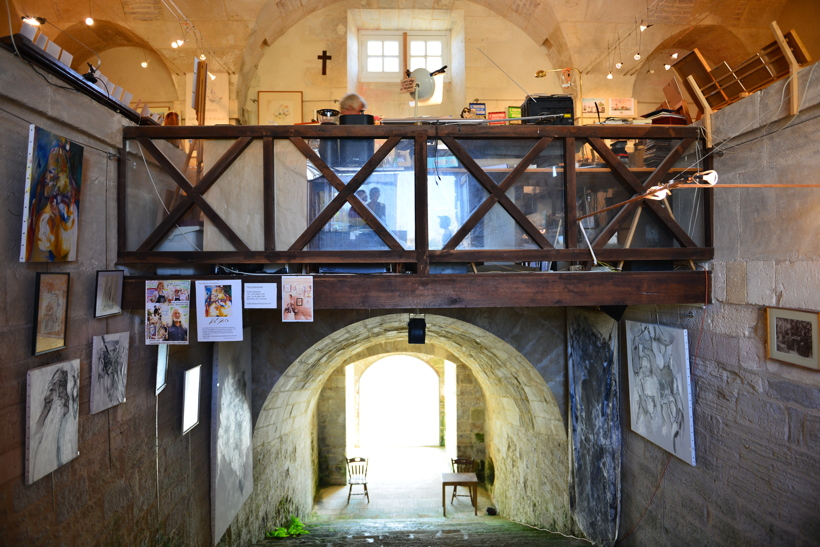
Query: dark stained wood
pixel 570 190
pixel 421 205
pixel 538 290
pixel 495 192
pixel 269 194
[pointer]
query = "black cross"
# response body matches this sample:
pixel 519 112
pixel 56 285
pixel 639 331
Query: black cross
pixel 325 58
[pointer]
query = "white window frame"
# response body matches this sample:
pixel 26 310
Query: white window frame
pixel 398 35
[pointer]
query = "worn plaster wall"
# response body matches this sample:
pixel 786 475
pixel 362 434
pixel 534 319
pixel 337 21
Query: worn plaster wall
pixel 137 479
pixel 757 421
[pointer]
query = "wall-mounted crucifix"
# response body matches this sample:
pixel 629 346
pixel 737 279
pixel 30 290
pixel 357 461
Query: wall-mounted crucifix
pixel 324 57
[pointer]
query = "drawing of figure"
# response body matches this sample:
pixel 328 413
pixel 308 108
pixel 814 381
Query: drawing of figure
pixel 53 442
pixel 52 322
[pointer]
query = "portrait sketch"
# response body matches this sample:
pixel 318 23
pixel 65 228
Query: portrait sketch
pixel 109 370
pixel 231 441
pixel 51 209
pixel 52 417
pixel 109 293
pixel 50 312
pixel 660 390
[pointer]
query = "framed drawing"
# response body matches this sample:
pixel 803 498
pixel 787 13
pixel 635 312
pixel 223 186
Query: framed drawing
pixel 660 387
pixel 621 107
pixel 51 209
pixel 793 336
pixel 593 106
pixel 109 293
pixel 52 417
pixel 50 312
pixel 109 370
pixel 279 107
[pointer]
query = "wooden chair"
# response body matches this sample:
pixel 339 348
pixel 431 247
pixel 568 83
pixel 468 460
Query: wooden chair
pixel 357 475
pixel 462 465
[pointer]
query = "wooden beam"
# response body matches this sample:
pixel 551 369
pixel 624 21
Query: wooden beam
pixel 536 290
pixel 794 103
pixel 705 108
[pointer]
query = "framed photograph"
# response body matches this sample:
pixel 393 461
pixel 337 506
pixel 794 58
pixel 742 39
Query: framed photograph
pixel 297 299
pixel 621 107
pixel 279 107
pixel 593 106
pixel 793 336
pixel 109 293
pixel 50 312
pixel 190 399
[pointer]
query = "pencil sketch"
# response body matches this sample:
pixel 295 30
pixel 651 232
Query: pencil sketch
pixel 52 417
pixel 109 370
pixel 231 454
pixel 660 391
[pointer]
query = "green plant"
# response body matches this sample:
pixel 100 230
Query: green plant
pixel 295 528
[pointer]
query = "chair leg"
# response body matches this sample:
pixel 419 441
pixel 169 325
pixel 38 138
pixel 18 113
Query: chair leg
pixel 453 498
pixel 349 491
pixel 366 493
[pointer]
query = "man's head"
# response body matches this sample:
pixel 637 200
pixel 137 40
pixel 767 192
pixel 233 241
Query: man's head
pixel 352 104
pixel 362 195
pixel 375 193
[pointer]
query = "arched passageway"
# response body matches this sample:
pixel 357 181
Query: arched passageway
pixel 525 436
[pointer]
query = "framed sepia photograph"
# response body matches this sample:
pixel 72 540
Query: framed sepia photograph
pixel 109 293
pixel 793 336
pixel 50 312
pixel 279 107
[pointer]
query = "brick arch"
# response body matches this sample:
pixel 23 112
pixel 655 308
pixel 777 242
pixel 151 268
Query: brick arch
pixel 525 434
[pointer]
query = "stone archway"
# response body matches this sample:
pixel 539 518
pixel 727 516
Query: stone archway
pixel 526 438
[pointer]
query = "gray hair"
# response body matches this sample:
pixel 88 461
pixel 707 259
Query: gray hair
pixel 350 101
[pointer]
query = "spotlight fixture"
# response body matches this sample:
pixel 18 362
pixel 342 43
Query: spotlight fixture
pixel 637 56
pixel 657 192
pixel 609 76
pixel 416 328
pixel 211 76
pixel 174 45
pixel 674 55
pixel 202 57
pixel 144 64
pixel 180 42
pixel 706 177
pixel 33 20
pixel 89 76
pixel 619 64
pixel 667 66
pixel 644 27
pixel 89 21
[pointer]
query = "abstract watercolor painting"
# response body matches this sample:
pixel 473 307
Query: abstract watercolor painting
pixel 109 370
pixel 52 417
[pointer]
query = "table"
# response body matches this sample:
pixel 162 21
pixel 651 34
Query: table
pixel 460 479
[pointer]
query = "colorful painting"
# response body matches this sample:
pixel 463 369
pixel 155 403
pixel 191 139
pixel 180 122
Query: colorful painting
pixel 231 433
pixel 660 388
pixel 52 418
pixel 50 312
pixel 219 311
pixel 167 309
pixel 51 209
pixel 109 370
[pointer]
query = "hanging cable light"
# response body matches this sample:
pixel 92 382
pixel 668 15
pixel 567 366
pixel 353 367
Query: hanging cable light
pixel 620 63
pixel 88 20
pixel 637 55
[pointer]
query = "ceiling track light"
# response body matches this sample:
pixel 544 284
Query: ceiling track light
pixel 674 55
pixel 34 20
pixel 609 76
pixel 667 66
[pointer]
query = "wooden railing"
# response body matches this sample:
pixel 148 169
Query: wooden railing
pixel 420 256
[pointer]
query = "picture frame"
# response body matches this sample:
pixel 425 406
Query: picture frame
pixel 162 367
pixel 279 107
pixel 588 106
pixel 622 107
pixel 190 399
pixel 50 312
pixel 792 336
pixel 108 301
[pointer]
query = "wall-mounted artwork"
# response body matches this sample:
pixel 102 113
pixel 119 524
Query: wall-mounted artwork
pixel 279 107
pixel 793 337
pixel 231 433
pixel 219 311
pixel 52 417
pixel 109 293
pixel 167 307
pixel 622 107
pixel 660 387
pixel 593 106
pixel 297 299
pixel 162 367
pixel 54 170
pixel 50 312
pixel 109 370
pixel 190 399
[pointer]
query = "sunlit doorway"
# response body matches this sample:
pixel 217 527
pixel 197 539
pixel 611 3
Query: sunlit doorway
pixel 399 404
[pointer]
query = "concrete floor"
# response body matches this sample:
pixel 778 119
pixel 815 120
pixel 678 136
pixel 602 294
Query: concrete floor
pixel 405 510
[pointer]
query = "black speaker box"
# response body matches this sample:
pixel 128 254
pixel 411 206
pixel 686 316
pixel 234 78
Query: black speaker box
pixel 560 107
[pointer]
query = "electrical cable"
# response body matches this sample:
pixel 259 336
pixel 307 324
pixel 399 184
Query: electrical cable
pixel 546 530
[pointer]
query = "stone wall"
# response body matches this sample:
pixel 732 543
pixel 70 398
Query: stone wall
pixel 471 412
pixel 757 421
pixel 331 417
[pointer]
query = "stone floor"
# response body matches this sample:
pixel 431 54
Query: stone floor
pixel 406 509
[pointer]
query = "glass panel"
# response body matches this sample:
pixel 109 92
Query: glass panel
pixel 434 47
pixel 391 47
pixel 498 230
pixel 417 47
pixel 389 193
pixel 374 64
pixel 391 64
pixel 374 47
pixel 417 62
pixel 434 63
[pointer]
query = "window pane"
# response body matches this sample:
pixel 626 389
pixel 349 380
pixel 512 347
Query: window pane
pixel 434 63
pixel 374 64
pixel 417 47
pixel 434 48
pixel 374 47
pixel 391 64
pixel 417 62
pixel 391 47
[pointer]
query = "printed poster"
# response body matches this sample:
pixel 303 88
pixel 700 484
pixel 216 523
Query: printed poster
pixel 219 311
pixel 297 299
pixel 167 312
